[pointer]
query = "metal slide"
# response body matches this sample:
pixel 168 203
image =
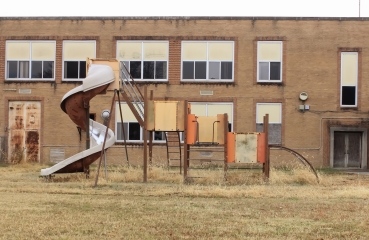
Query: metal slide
pixel 75 103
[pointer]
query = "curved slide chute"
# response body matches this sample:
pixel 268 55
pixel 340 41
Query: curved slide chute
pixel 75 103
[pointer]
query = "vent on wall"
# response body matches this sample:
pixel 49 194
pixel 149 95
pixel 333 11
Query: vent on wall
pixel 206 92
pixel 57 155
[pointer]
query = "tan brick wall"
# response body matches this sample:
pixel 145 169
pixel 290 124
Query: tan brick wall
pixel 311 50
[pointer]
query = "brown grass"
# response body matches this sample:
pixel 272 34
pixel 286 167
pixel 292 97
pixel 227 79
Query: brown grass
pixel 292 205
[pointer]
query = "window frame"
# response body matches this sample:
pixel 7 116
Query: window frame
pixel 142 79
pixel 269 61
pixel 270 122
pixel 356 80
pixel 29 61
pixel 79 60
pixel 124 121
pixel 207 79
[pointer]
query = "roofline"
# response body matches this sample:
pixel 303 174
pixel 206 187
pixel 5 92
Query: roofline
pixel 190 18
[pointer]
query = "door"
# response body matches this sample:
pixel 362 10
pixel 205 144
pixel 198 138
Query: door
pixel 347 149
pixel 24 131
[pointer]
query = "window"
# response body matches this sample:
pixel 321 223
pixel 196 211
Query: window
pixel 275 120
pixel 147 60
pixel 75 54
pixel 30 60
pixel 132 129
pixel 207 61
pixel 349 79
pixel 212 109
pixel 269 67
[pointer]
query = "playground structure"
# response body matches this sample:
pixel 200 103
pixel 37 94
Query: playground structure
pixel 200 134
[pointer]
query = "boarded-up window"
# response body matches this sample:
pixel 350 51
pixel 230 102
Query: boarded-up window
pixel 349 79
pixel 269 56
pixel 146 60
pixel 275 120
pixel 207 60
pixel 75 54
pixel 30 60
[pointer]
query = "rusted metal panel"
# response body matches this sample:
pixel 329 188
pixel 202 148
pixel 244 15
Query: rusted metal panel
pixel 16 146
pixel 24 131
pixel 33 114
pixel 16 115
pixel 246 148
pixel 32 146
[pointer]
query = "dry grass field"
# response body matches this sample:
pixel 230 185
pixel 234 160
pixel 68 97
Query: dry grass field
pixel 292 205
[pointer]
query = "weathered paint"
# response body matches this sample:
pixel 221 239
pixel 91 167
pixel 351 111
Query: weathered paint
pixel 24 131
pixel 246 148
pixel 261 147
pixel 165 116
pixel 191 129
pixel 231 139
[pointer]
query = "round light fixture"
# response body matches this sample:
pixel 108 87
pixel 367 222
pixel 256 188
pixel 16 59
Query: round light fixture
pixel 303 96
pixel 105 114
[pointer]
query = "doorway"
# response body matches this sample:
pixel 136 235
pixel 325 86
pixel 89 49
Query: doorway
pixel 348 148
pixel 24 131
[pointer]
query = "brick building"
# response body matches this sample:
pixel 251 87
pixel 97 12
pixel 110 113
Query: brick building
pixel 244 66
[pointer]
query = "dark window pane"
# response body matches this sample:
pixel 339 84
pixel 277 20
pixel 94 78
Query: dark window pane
pixel 12 69
pixel 119 130
pixel 71 69
pixel 226 71
pixel 48 69
pixel 148 69
pixel 274 132
pixel 349 95
pixel 263 71
pixel 36 69
pixel 124 66
pixel 200 70
pixel 82 69
pixel 23 70
pixel 135 69
pixel 275 71
pixel 214 70
pixel 134 131
pixel 188 70
pixel 159 136
pixel 161 70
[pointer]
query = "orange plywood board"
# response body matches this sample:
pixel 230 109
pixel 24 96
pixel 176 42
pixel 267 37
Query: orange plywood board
pixel 166 116
pixel 191 129
pixel 205 131
pixel 231 147
pixel 261 148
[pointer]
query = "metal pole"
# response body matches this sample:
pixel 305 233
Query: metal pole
pixel 150 133
pixel 185 145
pixel 266 165
pixel 106 172
pixel 145 136
pixel 123 131
pixel 106 134
pixel 225 146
